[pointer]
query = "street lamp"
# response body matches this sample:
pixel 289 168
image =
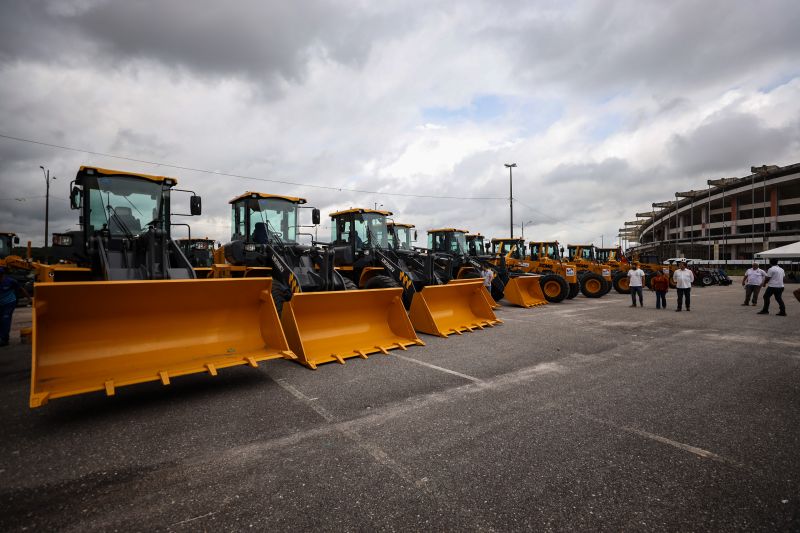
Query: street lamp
pixel 46 206
pixel 509 166
pixel 522 226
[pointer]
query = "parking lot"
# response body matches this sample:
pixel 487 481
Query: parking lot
pixel 582 415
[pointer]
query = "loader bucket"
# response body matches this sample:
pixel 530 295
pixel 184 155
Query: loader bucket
pixel 525 291
pixel 446 309
pixel 331 326
pixel 486 294
pixel 97 336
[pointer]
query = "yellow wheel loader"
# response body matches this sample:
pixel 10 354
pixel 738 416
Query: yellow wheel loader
pixel 143 315
pixel 375 255
pixel 324 317
pixel 619 266
pixel 594 278
pixel 555 287
pixel 546 258
pixel 449 246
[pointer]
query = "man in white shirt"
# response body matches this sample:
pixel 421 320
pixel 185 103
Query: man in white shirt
pixel 683 278
pixel 636 282
pixel 752 281
pixel 774 284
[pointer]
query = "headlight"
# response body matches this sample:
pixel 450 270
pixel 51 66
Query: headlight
pixel 250 247
pixel 62 240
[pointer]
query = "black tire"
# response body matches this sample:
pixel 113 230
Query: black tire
pixel 606 286
pixel 498 289
pixel 574 289
pixel 620 283
pixel 706 280
pixel 280 295
pixel 381 282
pixel 349 284
pixel 592 285
pixel 554 287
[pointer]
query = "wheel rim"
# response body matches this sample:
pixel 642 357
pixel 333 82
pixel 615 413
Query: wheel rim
pixel 623 284
pixel 552 288
pixel 593 285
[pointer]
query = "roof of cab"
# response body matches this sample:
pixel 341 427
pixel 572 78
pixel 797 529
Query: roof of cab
pixel 506 239
pixel 361 210
pixel 401 225
pixel 251 194
pixel 92 171
pixel 442 230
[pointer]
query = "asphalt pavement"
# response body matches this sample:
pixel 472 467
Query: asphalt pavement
pixel 584 415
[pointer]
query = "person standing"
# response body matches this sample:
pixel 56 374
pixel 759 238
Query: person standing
pixel 661 286
pixel 752 281
pixel 774 284
pixel 8 302
pixel 487 276
pixel 683 278
pixel 635 282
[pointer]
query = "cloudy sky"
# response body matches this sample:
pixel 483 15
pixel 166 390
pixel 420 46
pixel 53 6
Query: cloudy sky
pixel 604 106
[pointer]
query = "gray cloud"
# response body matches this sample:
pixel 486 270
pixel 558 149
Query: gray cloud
pixel 732 142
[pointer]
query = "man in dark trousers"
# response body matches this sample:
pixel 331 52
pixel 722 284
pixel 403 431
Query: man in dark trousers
pixel 683 278
pixel 8 302
pixel 774 285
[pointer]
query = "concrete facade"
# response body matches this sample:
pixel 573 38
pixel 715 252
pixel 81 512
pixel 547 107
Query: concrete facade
pixel 731 219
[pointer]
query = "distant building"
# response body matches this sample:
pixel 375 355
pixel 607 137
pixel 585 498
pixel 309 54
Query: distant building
pixel 731 219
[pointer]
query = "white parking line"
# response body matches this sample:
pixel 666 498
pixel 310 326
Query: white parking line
pixel 439 368
pixel 700 452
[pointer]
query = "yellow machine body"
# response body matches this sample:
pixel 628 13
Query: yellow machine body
pixel 525 291
pixel 453 308
pixel 97 336
pixel 322 327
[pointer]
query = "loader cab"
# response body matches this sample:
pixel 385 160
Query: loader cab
pixel 401 236
pixel 476 245
pixel 125 226
pixel 545 250
pixel 514 248
pixel 260 222
pixel 581 252
pixel 609 255
pixel 199 252
pixel 259 218
pixel 7 242
pixel 450 241
pixel 359 230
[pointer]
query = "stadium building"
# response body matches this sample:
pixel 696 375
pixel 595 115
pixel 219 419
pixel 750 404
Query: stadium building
pixel 729 220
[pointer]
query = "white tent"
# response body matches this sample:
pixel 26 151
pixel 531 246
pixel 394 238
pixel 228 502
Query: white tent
pixel 788 251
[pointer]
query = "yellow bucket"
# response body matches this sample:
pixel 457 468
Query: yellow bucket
pixel 525 291
pixel 486 294
pixel 97 336
pixel 453 308
pixel 322 327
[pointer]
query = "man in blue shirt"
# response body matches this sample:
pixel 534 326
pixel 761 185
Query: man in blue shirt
pixel 8 302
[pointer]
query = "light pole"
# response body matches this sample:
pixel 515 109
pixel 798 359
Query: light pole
pixel 509 166
pixel 46 206
pixel 376 206
pixel 522 227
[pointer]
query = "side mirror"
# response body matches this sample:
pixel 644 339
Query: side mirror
pixel 315 219
pixel 195 205
pixel 75 198
pixel 415 235
pixel 16 239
